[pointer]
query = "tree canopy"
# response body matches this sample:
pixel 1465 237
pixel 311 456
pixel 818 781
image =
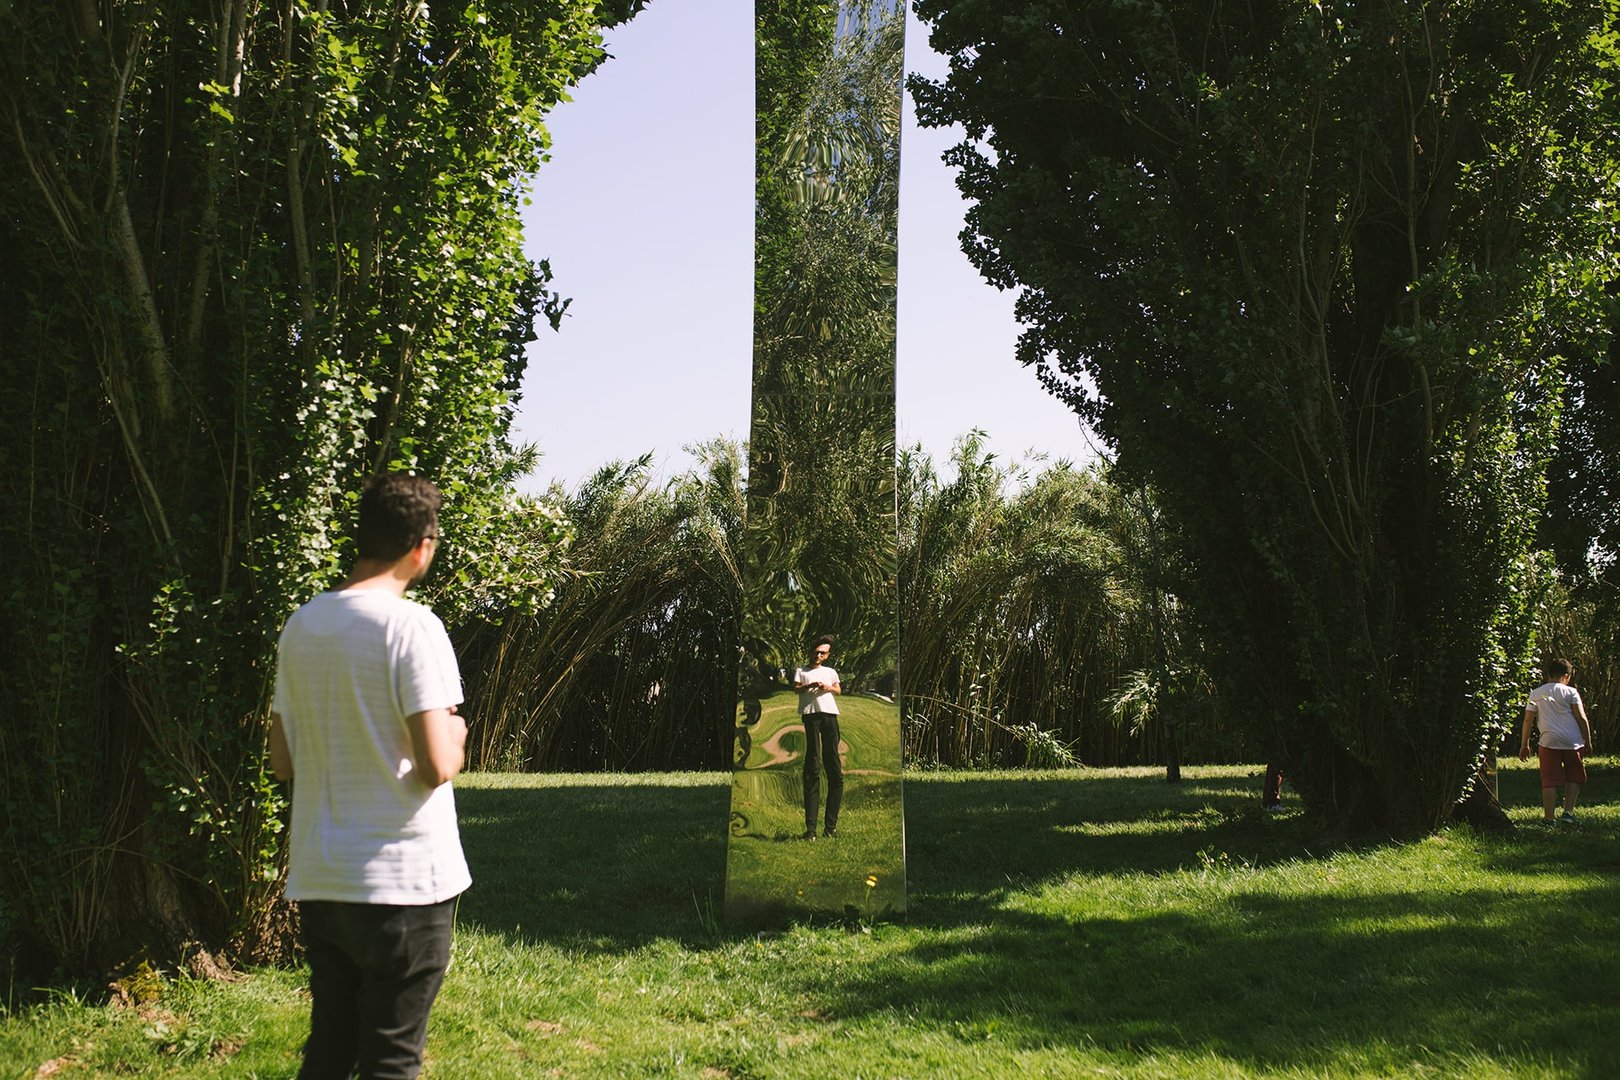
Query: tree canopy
pixel 1315 271
pixel 252 254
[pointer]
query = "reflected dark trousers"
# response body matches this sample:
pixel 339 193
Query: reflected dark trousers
pixel 821 745
pixel 374 970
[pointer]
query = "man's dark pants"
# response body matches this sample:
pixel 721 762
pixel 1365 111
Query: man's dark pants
pixel 374 970
pixel 821 745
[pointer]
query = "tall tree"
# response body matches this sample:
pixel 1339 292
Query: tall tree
pixel 1311 269
pixel 251 253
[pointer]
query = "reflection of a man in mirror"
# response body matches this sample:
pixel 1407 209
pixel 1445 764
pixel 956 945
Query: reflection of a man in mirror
pixel 818 688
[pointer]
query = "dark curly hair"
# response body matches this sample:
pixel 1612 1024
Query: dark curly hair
pixel 396 511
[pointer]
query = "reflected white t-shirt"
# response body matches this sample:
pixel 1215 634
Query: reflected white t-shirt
pixel 825 702
pixel 352 665
pixel 1554 705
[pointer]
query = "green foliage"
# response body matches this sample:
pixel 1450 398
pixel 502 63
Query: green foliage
pixel 1313 270
pixel 1024 602
pixel 1579 624
pixel 1169 697
pixel 1023 598
pixel 631 666
pixel 1136 703
pixel 1581 526
pixel 1042 749
pixel 252 257
pixel 1580 611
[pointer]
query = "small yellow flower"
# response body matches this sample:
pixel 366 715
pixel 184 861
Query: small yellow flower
pixel 871 881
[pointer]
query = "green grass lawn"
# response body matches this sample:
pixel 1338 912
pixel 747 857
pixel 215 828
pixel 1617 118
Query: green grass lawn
pixel 1064 924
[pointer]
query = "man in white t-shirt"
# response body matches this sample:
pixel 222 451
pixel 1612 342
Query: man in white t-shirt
pixel 1555 710
pixel 365 726
pixel 818 689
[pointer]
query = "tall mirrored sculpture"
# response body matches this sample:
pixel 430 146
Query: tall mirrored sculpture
pixel 819 542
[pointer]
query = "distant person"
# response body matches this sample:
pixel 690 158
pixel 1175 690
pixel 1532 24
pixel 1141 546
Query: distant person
pixel 1271 796
pixel 818 689
pixel 365 726
pixel 1565 737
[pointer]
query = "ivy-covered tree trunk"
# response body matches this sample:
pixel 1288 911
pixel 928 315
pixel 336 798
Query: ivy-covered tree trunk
pixel 251 254
pixel 1311 269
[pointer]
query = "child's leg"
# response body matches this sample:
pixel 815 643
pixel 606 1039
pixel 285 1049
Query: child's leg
pixel 1551 765
pixel 1574 777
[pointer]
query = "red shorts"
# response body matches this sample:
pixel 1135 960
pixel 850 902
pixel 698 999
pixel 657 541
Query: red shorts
pixel 1560 767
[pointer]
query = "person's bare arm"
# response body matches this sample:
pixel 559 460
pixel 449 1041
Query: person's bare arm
pixel 438 745
pixel 835 687
pixel 1586 725
pixel 1524 734
pixel 281 763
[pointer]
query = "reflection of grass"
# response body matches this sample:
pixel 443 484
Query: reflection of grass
pixel 769 869
pixel 1078 923
pixel 869 726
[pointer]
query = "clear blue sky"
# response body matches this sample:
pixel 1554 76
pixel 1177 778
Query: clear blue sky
pixel 646 214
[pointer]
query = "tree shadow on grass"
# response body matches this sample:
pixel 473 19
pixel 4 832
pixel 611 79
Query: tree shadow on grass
pixel 608 864
pixel 1046 825
pixel 1238 969
pixel 1322 984
pixel 616 864
pixel 1525 976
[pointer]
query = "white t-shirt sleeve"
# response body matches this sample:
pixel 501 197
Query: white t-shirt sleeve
pixel 425 672
pixel 281 697
pixel 278 693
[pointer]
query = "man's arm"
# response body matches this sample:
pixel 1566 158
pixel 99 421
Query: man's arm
pixel 1524 734
pixel 280 753
pixel 1586 725
pixel 438 744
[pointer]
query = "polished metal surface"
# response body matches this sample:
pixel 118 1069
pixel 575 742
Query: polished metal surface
pixel 819 543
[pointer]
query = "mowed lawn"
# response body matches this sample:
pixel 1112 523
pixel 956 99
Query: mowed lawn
pixel 1064 924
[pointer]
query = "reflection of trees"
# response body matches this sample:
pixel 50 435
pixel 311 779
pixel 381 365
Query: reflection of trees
pixel 820 541
pixel 826 221
pixel 820 537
